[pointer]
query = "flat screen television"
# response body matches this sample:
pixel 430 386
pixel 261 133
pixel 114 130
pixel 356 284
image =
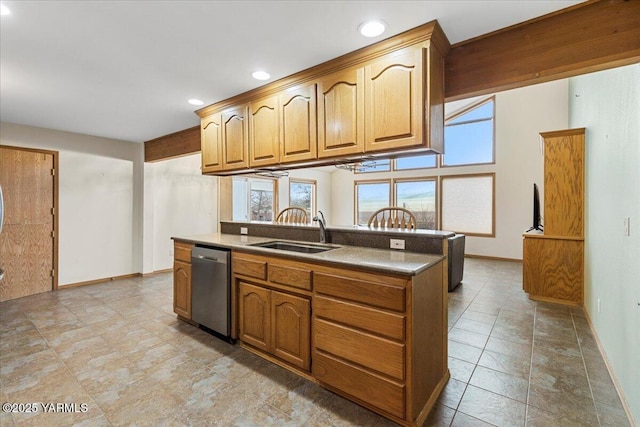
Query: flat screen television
pixel 536 210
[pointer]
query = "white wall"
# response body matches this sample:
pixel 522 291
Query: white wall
pixel 182 202
pixel 607 104
pixel 521 114
pixel 100 201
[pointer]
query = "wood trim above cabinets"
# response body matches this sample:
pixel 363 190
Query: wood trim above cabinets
pixel 176 144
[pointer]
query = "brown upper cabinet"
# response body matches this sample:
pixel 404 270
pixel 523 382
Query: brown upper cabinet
pixel 298 124
pixel 393 97
pixel 264 132
pixel 341 113
pixel 384 99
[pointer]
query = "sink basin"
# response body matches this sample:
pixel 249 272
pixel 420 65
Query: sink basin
pixel 306 248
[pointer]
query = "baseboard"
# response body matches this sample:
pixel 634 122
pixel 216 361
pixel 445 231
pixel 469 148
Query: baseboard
pixel 93 282
pixel 153 273
pixel 625 405
pixel 493 258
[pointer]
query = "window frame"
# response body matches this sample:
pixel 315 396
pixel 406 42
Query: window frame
pixel 465 110
pixel 248 179
pixel 314 184
pixel 435 166
pixel 356 209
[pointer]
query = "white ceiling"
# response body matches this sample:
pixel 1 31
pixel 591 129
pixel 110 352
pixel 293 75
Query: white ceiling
pixel 125 69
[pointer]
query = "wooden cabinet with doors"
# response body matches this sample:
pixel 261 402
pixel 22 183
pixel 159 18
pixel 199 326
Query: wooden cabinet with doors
pixel 341 113
pixel 182 279
pixel 298 124
pixel 235 138
pixel 553 261
pixel 393 108
pixel 211 143
pixel 264 132
pixel 274 307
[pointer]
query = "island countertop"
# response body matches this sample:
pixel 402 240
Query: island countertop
pixel 380 260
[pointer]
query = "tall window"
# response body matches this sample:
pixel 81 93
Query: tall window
pixel 419 196
pixel 469 136
pixel 253 199
pixel 302 194
pixel 371 196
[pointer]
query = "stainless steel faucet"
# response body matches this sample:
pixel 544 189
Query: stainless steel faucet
pixel 323 226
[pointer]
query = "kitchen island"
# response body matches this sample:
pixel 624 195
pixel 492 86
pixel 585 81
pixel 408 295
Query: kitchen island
pixel 369 324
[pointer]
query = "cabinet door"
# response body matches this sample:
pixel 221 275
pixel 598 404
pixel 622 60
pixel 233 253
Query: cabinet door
pixel 182 289
pixel 298 124
pixel 264 132
pixel 341 113
pixel 393 101
pixel 211 142
pixel 255 316
pixel 234 137
pixel 291 320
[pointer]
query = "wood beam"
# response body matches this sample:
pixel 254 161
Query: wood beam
pixel 591 36
pixel 176 144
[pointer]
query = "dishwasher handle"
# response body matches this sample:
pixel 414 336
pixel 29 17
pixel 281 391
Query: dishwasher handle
pixel 208 258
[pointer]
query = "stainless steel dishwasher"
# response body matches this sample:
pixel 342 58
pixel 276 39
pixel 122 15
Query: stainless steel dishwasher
pixel 211 288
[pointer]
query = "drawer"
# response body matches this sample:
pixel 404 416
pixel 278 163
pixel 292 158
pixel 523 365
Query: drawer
pixel 182 251
pixel 380 322
pixel 371 293
pixel 290 276
pixel 380 392
pixel 247 266
pixel 370 351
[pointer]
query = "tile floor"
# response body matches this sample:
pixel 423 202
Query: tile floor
pixel 118 349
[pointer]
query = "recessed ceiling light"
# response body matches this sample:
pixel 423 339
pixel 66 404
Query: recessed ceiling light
pixel 372 28
pixel 261 75
pixel 194 101
pixel 4 10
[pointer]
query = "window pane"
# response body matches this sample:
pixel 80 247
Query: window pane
pixel 370 198
pixel 261 200
pixel 420 198
pixel 484 111
pixel 301 195
pixel 467 204
pixel 416 162
pixel 468 143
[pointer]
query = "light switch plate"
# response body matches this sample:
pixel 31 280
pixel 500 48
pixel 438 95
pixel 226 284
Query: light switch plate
pixel 627 226
pixel 244 230
pixel 396 244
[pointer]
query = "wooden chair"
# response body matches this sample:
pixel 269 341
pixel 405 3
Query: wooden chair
pixel 292 215
pixel 393 217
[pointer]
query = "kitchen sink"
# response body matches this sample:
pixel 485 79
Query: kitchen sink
pixel 306 248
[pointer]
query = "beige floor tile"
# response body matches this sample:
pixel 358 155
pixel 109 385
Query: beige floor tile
pixel 492 408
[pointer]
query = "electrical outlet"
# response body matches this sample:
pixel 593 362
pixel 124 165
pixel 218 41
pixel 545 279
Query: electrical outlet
pixel 627 226
pixel 396 244
pixel 244 230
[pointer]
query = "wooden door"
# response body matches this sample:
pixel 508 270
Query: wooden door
pixel 264 132
pixel 393 105
pixel 27 242
pixel 255 316
pixel 299 139
pixel 182 289
pixel 291 328
pixel 341 113
pixel 235 145
pixel 211 141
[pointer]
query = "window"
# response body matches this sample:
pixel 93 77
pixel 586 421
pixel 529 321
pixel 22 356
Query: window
pixel 468 204
pixel 469 136
pixel 418 196
pixel 302 194
pixel 253 199
pixel 416 162
pixel 371 196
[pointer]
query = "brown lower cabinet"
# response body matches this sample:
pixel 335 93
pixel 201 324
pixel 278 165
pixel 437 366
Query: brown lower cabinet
pixel 276 322
pixel 182 279
pixel 378 339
